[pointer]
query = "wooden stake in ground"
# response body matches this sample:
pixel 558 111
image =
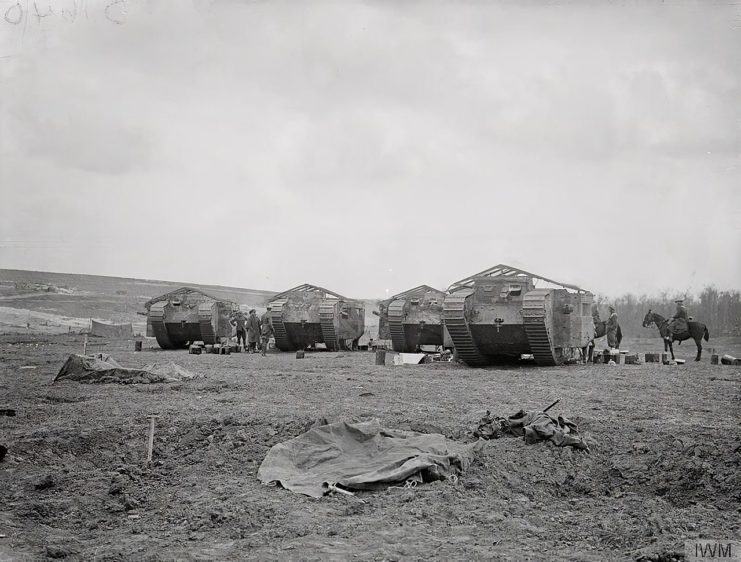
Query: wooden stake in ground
pixel 150 444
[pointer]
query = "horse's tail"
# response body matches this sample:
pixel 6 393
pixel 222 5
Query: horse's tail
pixel 706 335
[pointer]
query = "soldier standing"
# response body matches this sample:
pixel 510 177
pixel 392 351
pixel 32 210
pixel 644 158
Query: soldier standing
pixel 239 321
pixel 611 329
pixel 266 330
pixel 253 331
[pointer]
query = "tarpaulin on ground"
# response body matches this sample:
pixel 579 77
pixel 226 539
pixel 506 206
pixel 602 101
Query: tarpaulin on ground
pixel 362 456
pixel 106 330
pixel 102 368
pixel 534 426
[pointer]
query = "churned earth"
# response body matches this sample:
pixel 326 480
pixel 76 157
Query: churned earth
pixel 664 463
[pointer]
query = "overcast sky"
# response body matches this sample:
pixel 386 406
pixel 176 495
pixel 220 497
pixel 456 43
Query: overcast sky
pixel 373 146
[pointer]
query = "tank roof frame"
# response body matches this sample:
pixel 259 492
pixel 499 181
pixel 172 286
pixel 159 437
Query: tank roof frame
pixel 185 291
pixel 415 291
pixel 503 271
pixel 308 288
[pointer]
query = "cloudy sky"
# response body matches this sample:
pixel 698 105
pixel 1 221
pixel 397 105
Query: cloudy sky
pixel 373 146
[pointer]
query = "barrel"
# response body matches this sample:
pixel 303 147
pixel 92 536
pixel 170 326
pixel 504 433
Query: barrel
pixel 300 354
pixel 380 356
pixel 138 345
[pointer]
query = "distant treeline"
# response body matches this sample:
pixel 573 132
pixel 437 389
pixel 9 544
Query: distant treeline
pixel 719 310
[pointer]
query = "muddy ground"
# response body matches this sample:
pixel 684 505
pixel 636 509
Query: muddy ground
pixel 664 466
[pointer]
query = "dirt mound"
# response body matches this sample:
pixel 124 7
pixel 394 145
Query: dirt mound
pixel 692 470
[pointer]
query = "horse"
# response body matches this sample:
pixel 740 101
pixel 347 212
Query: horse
pixel 697 331
pixel 600 330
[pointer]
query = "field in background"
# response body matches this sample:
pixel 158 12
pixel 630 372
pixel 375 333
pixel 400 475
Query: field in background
pixel 122 286
pixel 34 302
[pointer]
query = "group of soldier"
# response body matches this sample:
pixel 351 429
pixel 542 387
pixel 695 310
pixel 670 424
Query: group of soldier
pixel 253 332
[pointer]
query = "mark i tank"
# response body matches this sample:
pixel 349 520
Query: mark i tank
pixel 307 315
pixel 499 315
pixel 187 315
pixel 412 319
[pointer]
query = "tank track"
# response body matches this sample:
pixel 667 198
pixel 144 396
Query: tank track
pixel 396 326
pixel 157 320
pixel 280 333
pixel 205 322
pixel 534 317
pixel 455 321
pixel 326 321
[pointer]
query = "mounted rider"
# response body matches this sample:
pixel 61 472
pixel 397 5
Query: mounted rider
pixel 679 324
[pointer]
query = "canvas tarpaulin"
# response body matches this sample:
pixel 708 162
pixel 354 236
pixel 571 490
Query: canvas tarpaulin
pixel 102 368
pixel 362 456
pixel 106 330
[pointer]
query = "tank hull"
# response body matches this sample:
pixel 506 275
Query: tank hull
pixel 501 342
pixel 415 318
pixel 417 335
pixel 494 322
pixel 302 335
pixel 306 316
pixel 180 335
pixel 184 316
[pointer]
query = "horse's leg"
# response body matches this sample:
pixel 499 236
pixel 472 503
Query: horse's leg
pixel 671 348
pixel 698 341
